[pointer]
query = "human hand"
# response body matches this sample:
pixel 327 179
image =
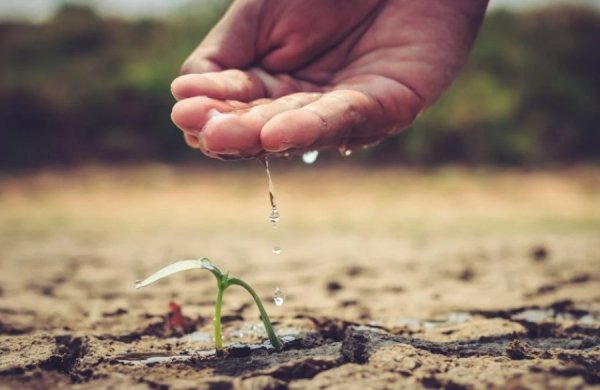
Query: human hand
pixel 284 76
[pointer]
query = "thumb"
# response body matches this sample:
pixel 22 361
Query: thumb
pixel 231 42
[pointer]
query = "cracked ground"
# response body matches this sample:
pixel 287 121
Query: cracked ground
pixel 448 279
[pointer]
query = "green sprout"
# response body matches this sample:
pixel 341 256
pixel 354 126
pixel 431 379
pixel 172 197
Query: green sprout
pixel 223 282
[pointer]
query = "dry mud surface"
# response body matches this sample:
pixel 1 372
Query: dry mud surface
pixel 394 279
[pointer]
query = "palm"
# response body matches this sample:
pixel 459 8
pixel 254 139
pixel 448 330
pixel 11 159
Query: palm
pixel 314 75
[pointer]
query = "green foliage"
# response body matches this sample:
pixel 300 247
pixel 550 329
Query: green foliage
pixel 529 94
pixel 84 88
pixel 81 87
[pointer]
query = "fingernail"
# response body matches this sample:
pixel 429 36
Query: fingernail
pixel 285 146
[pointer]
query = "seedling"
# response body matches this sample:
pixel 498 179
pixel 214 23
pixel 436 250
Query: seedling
pixel 223 282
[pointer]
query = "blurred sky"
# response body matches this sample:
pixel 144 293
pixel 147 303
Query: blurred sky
pixel 41 9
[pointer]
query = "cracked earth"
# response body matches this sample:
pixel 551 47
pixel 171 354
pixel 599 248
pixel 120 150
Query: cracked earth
pixel 461 283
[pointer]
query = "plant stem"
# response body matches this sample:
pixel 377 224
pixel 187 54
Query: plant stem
pixel 217 319
pixel 263 313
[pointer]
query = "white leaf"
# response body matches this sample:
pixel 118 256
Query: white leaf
pixel 182 265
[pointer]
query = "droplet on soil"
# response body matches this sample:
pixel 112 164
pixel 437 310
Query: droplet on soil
pixel 287 339
pixel 278 297
pixel 310 156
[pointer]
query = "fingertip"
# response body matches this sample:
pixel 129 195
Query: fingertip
pixel 177 87
pixel 184 115
pixel 230 84
pixel 198 65
pixel 232 134
pixel 299 128
pixel 191 114
pixel 193 85
pixel 191 140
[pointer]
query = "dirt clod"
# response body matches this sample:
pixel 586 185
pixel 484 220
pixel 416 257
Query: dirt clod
pixel 517 350
pixel 467 274
pixel 119 312
pixel 431 382
pixel 9 329
pixel 238 351
pixel 264 382
pixel 68 351
pixel 334 286
pixel 355 347
pixel 218 383
pixel 303 369
pixel 538 253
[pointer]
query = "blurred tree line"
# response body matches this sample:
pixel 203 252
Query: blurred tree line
pixel 85 88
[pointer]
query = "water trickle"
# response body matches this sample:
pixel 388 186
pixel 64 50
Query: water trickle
pixel 278 296
pixel 310 156
pixel 274 216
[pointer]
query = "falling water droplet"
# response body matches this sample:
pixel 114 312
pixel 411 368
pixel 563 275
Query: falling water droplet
pixel 276 250
pixel 278 297
pixel 310 156
pixel 344 151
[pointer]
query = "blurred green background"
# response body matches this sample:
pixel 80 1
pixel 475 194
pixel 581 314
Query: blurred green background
pixel 83 86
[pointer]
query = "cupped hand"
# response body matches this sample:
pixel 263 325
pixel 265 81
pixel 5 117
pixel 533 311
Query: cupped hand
pixel 279 76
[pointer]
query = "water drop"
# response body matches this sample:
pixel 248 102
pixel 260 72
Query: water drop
pixel 310 156
pixel 276 250
pixel 344 151
pixel 278 297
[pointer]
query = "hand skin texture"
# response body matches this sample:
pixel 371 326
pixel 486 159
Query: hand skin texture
pixel 279 76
